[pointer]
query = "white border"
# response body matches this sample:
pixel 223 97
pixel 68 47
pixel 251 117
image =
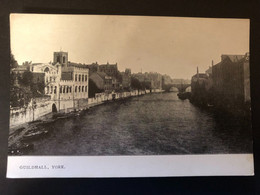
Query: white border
pixel 130 166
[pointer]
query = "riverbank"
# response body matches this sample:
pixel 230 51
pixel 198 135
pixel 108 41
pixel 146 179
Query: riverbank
pixel 152 124
pixel 20 134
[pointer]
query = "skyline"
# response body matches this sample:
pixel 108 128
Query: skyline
pixel 168 45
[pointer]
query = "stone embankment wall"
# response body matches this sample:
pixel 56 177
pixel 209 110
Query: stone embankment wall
pixel 35 109
pixel 39 107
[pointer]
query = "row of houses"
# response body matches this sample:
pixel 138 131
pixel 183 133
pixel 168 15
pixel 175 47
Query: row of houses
pixel 65 80
pixel 225 84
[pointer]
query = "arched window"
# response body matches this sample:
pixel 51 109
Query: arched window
pixel 70 89
pixel 86 77
pixel 67 89
pixel 86 88
pixel 79 88
pixel 47 90
pixel 79 77
pixel 60 89
pixel 76 89
pixel 76 77
pixel 82 89
pixel 51 89
pixel 55 89
pixel 63 89
pixel 46 69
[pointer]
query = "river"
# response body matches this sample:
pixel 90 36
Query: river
pixel 152 124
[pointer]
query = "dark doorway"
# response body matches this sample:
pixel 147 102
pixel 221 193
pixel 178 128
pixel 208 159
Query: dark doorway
pixel 54 108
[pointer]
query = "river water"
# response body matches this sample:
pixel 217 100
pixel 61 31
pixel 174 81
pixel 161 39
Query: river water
pixel 153 124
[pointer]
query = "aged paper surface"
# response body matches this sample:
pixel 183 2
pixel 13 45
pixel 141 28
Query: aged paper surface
pixel 129 96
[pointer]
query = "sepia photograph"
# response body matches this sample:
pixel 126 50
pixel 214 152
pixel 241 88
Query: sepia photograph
pixel 106 85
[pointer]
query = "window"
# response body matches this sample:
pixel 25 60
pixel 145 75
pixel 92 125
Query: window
pixel 63 89
pixel 82 89
pixel 70 89
pixel 63 59
pixel 79 77
pixel 60 89
pixel 79 88
pixel 58 59
pixel 76 77
pixel 67 89
pixel 86 77
pixel 46 69
pixel 47 90
pixel 76 89
pixel 86 88
pixel 51 89
pixel 55 89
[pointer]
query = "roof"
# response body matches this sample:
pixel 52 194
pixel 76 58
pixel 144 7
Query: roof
pixel 77 65
pixel 233 58
pixel 108 65
pixel 102 75
pixel 201 75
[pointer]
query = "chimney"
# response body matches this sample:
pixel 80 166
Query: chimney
pixel 197 72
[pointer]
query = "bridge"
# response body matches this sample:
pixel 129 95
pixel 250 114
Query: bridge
pixel 180 87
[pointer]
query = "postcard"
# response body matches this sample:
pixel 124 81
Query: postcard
pixel 129 96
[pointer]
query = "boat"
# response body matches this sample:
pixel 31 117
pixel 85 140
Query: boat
pixel 184 95
pixel 34 135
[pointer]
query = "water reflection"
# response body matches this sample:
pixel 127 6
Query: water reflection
pixel 148 125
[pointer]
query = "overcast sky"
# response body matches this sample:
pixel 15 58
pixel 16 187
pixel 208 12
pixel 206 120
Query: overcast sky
pixel 168 45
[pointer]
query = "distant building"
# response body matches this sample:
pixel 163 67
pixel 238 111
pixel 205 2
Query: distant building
pixel 153 79
pixel 92 67
pixel 167 79
pixel 126 78
pixel 200 88
pixel 112 70
pixel 102 80
pixel 109 69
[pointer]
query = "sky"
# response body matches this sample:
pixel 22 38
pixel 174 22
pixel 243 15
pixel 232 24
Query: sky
pixel 169 45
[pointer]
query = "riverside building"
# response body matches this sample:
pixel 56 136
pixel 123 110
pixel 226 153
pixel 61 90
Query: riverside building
pixel 65 82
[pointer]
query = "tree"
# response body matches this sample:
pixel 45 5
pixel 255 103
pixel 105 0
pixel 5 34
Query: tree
pixel 13 62
pixel 135 83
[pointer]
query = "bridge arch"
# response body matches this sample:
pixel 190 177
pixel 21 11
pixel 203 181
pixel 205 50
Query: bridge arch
pixel 174 89
pixel 188 89
pixel 181 87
